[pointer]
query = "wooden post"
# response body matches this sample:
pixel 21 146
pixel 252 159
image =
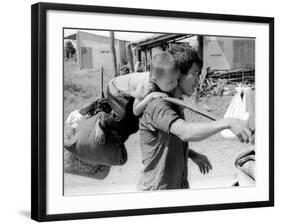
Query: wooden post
pixel 138 54
pixel 79 53
pixel 145 59
pixel 113 53
pixel 102 93
pixel 200 46
pixel 130 57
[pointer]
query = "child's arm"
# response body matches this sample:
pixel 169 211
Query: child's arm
pixel 140 105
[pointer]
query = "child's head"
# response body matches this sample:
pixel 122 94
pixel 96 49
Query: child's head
pixel 190 65
pixel 164 71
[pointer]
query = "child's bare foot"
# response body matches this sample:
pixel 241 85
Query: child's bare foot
pixel 100 136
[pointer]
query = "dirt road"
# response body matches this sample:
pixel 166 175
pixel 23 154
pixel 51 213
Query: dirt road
pixel 124 178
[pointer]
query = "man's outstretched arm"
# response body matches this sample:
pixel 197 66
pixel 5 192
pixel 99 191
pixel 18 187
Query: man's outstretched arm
pixel 200 131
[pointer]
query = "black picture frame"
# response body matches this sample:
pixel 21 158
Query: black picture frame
pixel 39 108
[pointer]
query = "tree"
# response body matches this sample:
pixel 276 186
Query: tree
pixel 69 49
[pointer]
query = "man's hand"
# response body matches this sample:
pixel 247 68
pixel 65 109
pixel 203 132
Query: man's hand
pixel 241 129
pixel 201 160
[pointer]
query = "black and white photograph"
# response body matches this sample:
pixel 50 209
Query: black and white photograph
pixel 157 111
pixel 140 112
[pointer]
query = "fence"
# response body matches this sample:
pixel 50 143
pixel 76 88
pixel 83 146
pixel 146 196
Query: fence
pixel 234 76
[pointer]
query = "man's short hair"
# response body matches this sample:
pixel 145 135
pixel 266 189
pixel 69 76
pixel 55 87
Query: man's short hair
pixel 185 56
pixel 161 62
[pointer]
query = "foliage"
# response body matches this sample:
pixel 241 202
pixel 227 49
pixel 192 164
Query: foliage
pixel 69 49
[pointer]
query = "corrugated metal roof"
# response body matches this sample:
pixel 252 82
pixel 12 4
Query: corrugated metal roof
pixel 157 39
pixel 71 37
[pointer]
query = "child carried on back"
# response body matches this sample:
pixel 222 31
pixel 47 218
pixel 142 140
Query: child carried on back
pixel 142 87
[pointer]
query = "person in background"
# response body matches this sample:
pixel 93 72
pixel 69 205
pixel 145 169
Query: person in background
pixel 138 67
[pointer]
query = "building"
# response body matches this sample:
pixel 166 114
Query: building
pixel 93 51
pixel 219 53
pixel 144 50
pixel 228 53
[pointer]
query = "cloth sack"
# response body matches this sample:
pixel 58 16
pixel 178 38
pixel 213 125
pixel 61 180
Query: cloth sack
pixel 74 119
pixel 84 146
pixel 242 107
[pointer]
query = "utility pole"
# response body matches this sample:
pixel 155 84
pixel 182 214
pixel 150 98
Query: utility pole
pixel 113 53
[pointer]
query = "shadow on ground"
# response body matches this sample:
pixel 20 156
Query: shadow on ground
pixel 73 165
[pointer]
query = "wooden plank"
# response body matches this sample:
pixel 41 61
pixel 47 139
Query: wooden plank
pixel 192 107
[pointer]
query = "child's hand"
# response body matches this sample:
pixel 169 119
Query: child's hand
pixel 155 95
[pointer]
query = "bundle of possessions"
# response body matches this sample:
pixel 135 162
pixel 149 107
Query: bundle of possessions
pixel 82 141
pixel 242 106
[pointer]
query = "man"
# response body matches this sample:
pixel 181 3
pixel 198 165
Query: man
pixel 164 134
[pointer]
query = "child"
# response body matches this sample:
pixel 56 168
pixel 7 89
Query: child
pixel 143 87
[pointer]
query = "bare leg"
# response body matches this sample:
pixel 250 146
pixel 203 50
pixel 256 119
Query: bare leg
pixel 100 135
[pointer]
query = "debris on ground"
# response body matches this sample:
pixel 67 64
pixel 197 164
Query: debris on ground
pixel 217 82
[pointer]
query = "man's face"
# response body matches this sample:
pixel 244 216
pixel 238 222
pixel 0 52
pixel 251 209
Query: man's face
pixel 189 82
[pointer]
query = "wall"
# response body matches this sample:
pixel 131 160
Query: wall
pixel 217 53
pixel 243 53
pixel 95 52
pixel 229 53
pixel 15 112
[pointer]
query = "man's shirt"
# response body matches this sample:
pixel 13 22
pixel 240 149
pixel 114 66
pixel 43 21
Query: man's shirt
pixel 164 156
